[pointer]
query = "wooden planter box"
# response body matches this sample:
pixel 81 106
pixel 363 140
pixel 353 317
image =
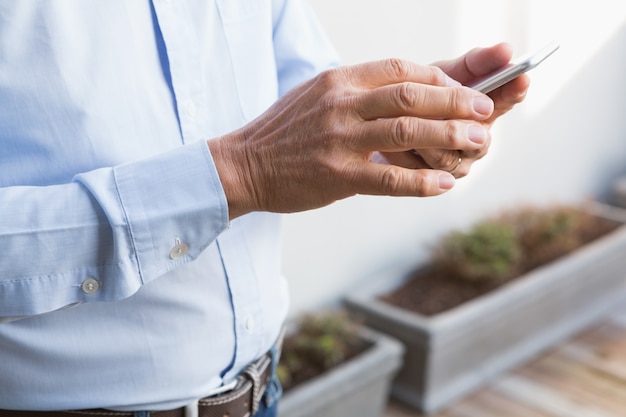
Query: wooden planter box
pixel 453 353
pixel 357 387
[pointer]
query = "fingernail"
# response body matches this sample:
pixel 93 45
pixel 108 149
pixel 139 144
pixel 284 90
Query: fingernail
pixel 483 105
pixel 446 181
pixel 451 82
pixel 477 134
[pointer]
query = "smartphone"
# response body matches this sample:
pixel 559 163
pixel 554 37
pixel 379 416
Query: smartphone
pixel 514 69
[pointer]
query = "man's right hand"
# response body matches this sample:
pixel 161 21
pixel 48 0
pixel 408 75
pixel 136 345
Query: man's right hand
pixel 315 145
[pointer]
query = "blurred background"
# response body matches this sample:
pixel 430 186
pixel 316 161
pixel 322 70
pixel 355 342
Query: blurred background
pixel 565 143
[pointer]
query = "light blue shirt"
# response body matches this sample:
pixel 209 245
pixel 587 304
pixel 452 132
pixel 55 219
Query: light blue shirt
pixel 122 283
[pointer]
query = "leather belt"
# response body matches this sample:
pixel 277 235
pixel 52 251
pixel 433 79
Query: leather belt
pixel 241 401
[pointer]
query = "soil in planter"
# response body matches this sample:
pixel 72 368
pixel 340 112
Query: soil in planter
pixel 429 292
pixel 320 343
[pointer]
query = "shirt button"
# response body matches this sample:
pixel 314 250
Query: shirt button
pixel 249 323
pixel 190 108
pixel 90 286
pixel 179 250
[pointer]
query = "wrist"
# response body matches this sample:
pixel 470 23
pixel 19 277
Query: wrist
pixel 231 163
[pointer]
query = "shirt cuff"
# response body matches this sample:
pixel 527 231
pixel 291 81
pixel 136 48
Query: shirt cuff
pixel 174 205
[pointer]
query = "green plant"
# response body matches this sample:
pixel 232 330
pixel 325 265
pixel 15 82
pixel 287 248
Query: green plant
pixel 516 241
pixel 320 342
pixel 487 252
pixel 548 233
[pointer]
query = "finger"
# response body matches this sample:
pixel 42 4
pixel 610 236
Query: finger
pixel 377 179
pixel 442 159
pixel 483 61
pixel 477 62
pixel 447 160
pixel 420 100
pixel 507 96
pixel 408 133
pixel 454 162
pixel 408 159
pixel 393 71
pixel 511 93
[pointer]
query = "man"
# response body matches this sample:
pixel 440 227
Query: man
pixel 141 171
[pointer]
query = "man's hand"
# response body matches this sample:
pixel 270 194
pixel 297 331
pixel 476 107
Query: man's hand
pixel 482 61
pixel 315 145
pixel 470 67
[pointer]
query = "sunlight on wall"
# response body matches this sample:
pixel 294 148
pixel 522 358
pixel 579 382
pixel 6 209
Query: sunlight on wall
pixel 484 22
pixel 582 28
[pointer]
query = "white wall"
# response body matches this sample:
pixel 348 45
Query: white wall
pixel 565 143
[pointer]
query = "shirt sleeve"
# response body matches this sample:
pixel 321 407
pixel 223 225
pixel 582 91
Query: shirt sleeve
pixel 302 48
pixel 111 230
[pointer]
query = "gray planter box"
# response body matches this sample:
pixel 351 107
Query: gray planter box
pixel 358 387
pixel 619 191
pixel 450 354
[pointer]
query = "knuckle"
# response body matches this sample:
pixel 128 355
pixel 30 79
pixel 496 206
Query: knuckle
pixel 454 99
pixel 397 68
pixel 330 91
pixel 391 180
pixel 330 74
pixel 455 134
pixel 444 160
pixel 406 96
pixel 460 102
pixel 402 132
pixel 436 76
pixel 331 78
pixel 462 171
pixel 422 186
pixel 328 102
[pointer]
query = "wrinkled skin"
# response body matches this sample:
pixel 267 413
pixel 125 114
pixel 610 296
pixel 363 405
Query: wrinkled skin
pixel 389 127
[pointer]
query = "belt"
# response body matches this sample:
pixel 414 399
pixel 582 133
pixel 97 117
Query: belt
pixel 242 401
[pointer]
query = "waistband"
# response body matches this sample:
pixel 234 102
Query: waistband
pixel 242 401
